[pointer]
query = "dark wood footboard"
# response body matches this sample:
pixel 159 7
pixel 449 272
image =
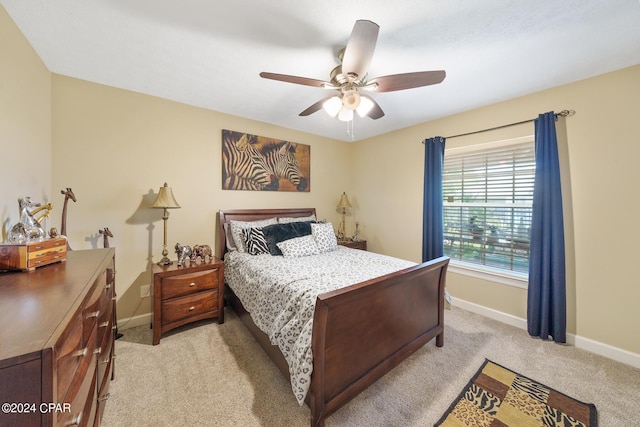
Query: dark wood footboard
pixel 363 331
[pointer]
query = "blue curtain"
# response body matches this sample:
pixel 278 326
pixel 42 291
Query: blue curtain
pixel 546 303
pixel 432 225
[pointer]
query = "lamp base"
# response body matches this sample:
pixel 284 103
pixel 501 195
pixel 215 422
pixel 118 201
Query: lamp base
pixel 165 261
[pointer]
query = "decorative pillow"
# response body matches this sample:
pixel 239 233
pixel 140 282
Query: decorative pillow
pixel 254 241
pixel 288 219
pixel 299 247
pixel 238 226
pixel 277 233
pixel 324 237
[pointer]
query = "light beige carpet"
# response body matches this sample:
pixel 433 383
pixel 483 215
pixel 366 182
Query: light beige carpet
pixel 217 375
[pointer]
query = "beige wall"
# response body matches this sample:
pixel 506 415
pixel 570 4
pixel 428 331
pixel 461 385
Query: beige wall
pixel 599 148
pixel 25 124
pixel 115 148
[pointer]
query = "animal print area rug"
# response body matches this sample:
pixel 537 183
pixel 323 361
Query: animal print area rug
pixel 497 397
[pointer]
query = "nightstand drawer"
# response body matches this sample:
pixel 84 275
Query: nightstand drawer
pixel 189 283
pixel 190 305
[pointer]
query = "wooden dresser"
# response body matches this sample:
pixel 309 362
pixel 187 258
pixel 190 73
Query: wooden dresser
pixel 57 330
pixel 186 294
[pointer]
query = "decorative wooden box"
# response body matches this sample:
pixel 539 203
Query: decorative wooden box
pixel 29 255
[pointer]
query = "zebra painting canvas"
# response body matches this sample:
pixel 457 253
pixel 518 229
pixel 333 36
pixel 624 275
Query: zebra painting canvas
pixel 251 162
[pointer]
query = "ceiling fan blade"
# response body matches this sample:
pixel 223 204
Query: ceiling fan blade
pixel 315 107
pixel 359 50
pixel 408 80
pixel 375 112
pixel 295 79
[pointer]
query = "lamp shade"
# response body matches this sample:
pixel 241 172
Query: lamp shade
pixel 344 202
pixel 165 199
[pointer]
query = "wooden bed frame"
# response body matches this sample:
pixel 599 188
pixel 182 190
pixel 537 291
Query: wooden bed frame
pixel 360 332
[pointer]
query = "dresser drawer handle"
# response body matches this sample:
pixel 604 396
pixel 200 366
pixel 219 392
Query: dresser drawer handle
pixel 93 314
pixel 104 362
pixel 81 353
pixel 107 287
pixel 114 298
pixel 192 308
pixel 103 398
pixel 114 328
pixel 75 421
pixel 104 324
pixel 192 284
pixel 97 350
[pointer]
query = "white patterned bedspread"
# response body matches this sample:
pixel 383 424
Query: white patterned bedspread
pixel 280 294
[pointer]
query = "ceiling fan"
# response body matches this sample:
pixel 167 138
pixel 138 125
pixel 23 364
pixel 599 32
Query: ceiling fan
pixel 350 78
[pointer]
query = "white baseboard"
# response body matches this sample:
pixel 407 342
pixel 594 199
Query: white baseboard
pixel 602 349
pixel 132 322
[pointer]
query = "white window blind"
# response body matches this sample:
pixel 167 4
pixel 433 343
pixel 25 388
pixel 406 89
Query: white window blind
pixel 488 196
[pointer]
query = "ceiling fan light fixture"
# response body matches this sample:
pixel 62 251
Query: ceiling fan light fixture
pixel 345 114
pixel 351 99
pixel 332 106
pixel 366 104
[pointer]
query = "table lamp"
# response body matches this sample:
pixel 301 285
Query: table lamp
pixel 165 200
pixel 343 204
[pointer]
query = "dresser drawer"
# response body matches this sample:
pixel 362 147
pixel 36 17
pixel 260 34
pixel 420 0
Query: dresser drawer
pixel 46 256
pixel 69 352
pixel 82 391
pixel 95 305
pixel 190 305
pixel 189 283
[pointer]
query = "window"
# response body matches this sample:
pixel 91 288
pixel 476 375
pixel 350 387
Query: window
pixel 488 194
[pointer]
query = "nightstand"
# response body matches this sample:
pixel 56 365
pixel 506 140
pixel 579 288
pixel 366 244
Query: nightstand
pixel 359 244
pixel 186 294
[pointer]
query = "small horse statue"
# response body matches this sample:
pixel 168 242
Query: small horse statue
pixel 183 252
pixel 28 228
pixel 201 251
pixel 106 233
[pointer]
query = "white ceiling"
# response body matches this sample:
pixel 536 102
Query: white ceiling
pixel 208 53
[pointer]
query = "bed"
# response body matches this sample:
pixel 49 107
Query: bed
pixel 358 332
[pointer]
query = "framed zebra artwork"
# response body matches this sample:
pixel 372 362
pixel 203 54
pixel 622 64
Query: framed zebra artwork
pixel 258 163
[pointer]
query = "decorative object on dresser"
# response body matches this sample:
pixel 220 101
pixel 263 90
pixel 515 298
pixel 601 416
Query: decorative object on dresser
pixel 343 205
pixel 355 244
pixel 28 255
pixel 68 195
pixel 106 233
pixel 28 228
pixel 165 200
pixel 58 340
pixel 183 295
pixel 201 251
pixel 183 252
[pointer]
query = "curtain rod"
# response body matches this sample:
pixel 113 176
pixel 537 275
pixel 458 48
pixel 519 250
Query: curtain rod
pixel 563 113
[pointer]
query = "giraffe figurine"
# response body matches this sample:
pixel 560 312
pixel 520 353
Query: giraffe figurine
pixel 68 194
pixel 106 233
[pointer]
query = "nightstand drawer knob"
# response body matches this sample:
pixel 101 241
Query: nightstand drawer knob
pixel 192 308
pixel 192 284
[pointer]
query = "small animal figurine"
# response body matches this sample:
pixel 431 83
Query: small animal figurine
pixel 183 252
pixel 106 233
pixel 201 251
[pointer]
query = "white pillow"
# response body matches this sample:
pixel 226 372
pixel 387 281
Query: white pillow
pixel 238 226
pixel 298 247
pixel 324 236
pixel 287 219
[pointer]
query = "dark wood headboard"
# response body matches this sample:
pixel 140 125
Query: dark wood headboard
pixel 254 215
